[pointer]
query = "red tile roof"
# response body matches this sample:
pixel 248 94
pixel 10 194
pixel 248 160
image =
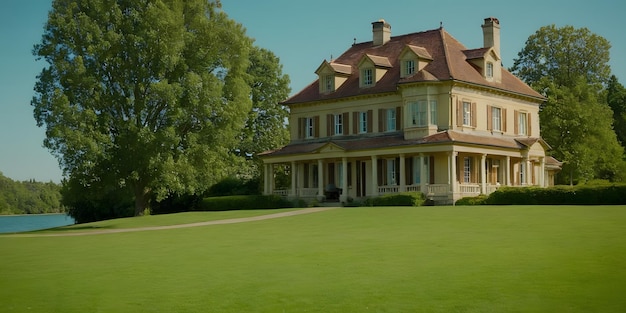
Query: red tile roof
pixel 449 62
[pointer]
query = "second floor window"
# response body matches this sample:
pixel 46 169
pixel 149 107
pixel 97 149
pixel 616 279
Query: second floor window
pixel 467 114
pixel 362 122
pixel 424 113
pixel 338 118
pixel 367 77
pixel 309 127
pixel 391 120
pixel 522 128
pixel 496 118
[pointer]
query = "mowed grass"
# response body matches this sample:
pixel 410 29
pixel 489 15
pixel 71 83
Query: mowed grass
pixel 393 259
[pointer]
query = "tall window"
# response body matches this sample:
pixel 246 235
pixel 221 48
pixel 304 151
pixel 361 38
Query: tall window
pixel 391 119
pixel 496 118
pixel 368 77
pixel 433 112
pixel 391 171
pixel 329 82
pixel 338 124
pixel 409 67
pixel 467 170
pixel 522 173
pixel 362 122
pixel 339 174
pixel 467 114
pixel 417 169
pixel 309 127
pixel 522 120
pixel 489 72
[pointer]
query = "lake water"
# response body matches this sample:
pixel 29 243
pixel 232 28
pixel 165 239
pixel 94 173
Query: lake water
pixel 29 222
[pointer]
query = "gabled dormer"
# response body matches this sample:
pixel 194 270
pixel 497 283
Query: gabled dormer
pixel 487 61
pixel 332 75
pixel 371 69
pixel 413 59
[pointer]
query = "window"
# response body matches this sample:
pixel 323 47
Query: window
pixel 391 171
pixel 367 78
pixel 418 113
pixel 329 82
pixel 521 122
pixel 362 122
pixel 309 127
pixel 496 119
pixel 339 175
pixel 489 72
pixel 522 173
pixel 433 112
pixel 417 169
pixel 409 67
pixel 338 124
pixel 391 120
pixel 467 170
pixel 467 113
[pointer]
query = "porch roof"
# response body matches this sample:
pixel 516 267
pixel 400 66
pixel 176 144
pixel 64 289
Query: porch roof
pixel 395 140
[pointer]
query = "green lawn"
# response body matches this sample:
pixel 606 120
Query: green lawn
pixel 426 259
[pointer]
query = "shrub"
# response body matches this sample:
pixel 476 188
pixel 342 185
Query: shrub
pixel 582 194
pixel 231 186
pixel 477 200
pixel 399 199
pixel 242 202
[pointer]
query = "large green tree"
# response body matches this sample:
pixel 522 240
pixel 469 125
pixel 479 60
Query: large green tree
pixel 616 98
pixel 564 55
pixel 570 67
pixel 266 126
pixel 148 92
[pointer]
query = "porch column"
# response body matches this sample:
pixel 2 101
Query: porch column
pixel 507 172
pixel 402 173
pixel 266 179
pixel 542 171
pixel 320 179
pixel 272 179
pixel 528 172
pixel 344 180
pixel 374 176
pixel 483 174
pixel 294 175
pixel 452 168
pixel 423 176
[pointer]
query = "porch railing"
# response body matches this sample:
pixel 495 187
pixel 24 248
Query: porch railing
pixel 281 192
pixel 307 192
pixel 438 189
pixel 413 188
pixel 469 188
pixel 388 189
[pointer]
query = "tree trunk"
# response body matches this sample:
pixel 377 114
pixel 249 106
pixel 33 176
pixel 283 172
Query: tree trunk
pixel 142 200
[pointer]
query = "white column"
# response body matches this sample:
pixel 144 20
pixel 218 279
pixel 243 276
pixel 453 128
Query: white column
pixel 483 174
pixel 402 173
pixel 272 179
pixel 344 180
pixel 374 176
pixel 528 172
pixel 423 176
pixel 266 180
pixel 320 179
pixel 542 172
pixel 294 175
pixel 452 168
pixel 507 173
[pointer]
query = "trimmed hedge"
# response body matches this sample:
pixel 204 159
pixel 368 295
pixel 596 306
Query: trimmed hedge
pixel 478 200
pixel 583 194
pixel 400 199
pixel 252 202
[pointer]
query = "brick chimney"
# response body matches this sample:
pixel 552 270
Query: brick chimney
pixel 381 31
pixel 491 34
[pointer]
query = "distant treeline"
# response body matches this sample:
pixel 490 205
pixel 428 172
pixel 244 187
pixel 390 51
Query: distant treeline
pixel 29 197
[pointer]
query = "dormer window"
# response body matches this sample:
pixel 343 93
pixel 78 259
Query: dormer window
pixel 409 67
pixel 329 83
pixel 489 70
pixel 367 77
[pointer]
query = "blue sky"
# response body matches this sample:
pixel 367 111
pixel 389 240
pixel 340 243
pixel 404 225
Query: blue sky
pixel 302 34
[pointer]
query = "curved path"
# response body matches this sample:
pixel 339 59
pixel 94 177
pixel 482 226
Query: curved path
pixel 207 223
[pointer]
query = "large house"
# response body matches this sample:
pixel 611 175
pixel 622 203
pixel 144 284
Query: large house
pixel 415 112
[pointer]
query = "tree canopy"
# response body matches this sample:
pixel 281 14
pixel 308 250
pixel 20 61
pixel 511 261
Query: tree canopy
pixel 29 197
pixel 564 54
pixel 570 67
pixel 147 94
